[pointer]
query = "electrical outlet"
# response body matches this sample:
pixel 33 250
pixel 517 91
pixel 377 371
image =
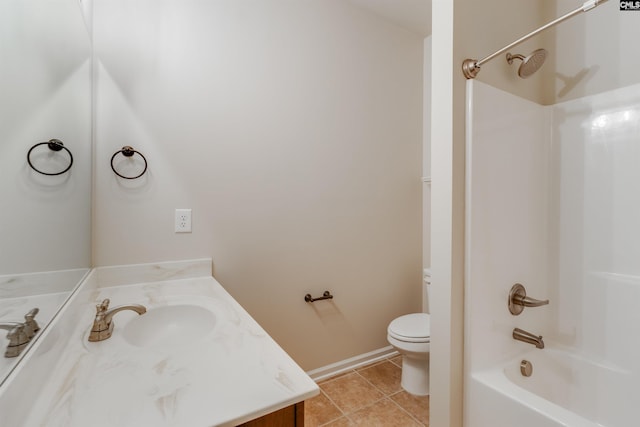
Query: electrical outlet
pixel 183 221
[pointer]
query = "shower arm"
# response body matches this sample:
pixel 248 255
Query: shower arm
pixel 471 67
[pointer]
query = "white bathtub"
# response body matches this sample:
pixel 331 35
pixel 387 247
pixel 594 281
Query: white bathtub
pixel 564 390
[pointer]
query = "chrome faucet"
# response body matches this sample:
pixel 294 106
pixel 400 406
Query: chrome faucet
pixel 20 334
pixel 103 325
pixel 528 337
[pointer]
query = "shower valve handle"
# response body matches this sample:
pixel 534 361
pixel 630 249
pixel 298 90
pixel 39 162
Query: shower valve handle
pixel 529 302
pixel 518 300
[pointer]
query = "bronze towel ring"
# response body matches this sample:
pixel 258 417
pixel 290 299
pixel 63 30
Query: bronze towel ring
pixel 128 151
pixel 54 145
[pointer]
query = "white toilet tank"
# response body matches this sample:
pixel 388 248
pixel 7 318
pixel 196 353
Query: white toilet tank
pixel 426 288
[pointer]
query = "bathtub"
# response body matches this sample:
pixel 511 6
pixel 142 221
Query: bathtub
pixel 565 389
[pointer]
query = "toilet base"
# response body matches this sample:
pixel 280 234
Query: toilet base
pixel 415 374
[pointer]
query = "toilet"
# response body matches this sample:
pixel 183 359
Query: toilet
pixel 410 335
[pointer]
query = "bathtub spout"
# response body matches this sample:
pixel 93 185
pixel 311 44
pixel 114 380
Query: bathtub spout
pixel 528 337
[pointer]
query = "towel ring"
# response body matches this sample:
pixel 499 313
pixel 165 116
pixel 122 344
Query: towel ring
pixel 54 145
pixel 128 151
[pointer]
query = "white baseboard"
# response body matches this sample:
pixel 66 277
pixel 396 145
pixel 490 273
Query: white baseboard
pixel 325 372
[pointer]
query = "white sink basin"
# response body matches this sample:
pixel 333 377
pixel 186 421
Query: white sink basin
pixel 169 326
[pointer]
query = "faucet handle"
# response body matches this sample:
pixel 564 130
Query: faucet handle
pixel 518 300
pixel 31 314
pixel 103 306
pixel 30 324
pixel 530 302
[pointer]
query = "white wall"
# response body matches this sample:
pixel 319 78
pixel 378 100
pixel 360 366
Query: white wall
pixel 507 234
pixel 587 54
pixel 447 223
pixel 553 209
pixel 461 29
pixel 293 131
pixel 595 225
pixel 45 82
pixel 426 153
pixel 594 52
pixel 471 29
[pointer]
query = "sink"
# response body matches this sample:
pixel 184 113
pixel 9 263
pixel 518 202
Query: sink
pixel 169 326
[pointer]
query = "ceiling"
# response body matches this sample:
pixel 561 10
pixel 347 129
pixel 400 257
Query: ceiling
pixel 414 15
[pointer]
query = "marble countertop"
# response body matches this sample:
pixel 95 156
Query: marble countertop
pixel 14 309
pixel 233 373
pixel 20 293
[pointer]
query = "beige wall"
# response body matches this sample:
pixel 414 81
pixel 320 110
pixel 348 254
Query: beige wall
pixel 293 130
pixel 484 27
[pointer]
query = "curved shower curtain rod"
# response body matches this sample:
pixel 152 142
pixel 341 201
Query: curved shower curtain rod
pixel 471 67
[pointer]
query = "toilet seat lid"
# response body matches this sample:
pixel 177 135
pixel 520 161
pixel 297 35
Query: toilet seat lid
pixel 415 327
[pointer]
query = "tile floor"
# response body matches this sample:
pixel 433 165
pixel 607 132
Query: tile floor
pixel 368 396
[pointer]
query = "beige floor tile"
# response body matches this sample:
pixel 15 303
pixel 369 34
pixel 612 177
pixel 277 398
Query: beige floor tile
pixel 357 398
pixel 417 406
pixel 351 392
pixel 368 365
pixel 386 376
pixel 340 422
pixel 383 414
pixel 396 360
pixel 335 377
pixel 319 410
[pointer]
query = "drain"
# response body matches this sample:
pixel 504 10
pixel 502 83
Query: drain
pixel 526 368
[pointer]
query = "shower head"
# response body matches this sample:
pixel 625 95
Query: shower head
pixel 530 64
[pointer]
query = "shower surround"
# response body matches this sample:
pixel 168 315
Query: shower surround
pixel 551 204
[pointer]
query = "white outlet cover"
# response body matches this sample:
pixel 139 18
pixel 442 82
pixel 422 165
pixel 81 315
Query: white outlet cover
pixel 183 221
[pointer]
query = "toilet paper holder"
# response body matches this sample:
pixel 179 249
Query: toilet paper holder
pixel 325 295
